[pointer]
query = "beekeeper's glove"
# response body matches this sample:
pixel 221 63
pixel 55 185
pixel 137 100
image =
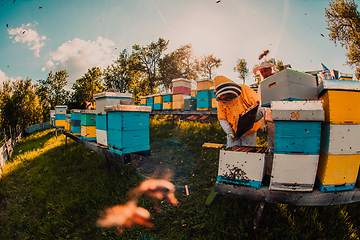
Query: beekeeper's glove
pixel 227 128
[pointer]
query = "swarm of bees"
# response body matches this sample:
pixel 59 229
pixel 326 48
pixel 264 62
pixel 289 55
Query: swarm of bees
pixel 129 215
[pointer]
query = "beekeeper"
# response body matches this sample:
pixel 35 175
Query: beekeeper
pixel 233 99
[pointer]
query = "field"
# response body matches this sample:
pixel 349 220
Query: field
pixel 50 191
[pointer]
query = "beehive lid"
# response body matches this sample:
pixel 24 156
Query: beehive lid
pixel 127 108
pixel 181 79
pixel 205 80
pixel 296 105
pixel 335 84
pixel 60 106
pixel 112 95
pixel 75 110
pixel 86 111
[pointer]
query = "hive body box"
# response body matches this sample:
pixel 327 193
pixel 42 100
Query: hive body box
pixel 105 99
pixel 101 128
pixel 204 84
pixel 178 101
pixel 340 147
pixel 241 168
pixel 142 101
pixel 286 85
pixel 189 104
pixel 150 102
pixel 296 144
pixel 128 129
pixel 167 102
pixel 88 125
pixel 158 102
pixel 60 111
pixel 67 122
pixel 182 86
pixel 75 128
pixel 204 99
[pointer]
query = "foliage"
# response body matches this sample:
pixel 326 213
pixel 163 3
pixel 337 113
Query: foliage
pixel 343 20
pixel 149 57
pixel 241 68
pixel 19 105
pixel 88 85
pixel 206 64
pixel 51 90
pixel 122 74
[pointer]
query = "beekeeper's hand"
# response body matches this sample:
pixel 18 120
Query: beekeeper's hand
pixel 230 133
pixel 227 128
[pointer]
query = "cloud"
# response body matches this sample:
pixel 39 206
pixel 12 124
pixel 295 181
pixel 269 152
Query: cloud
pixel 77 56
pixel 4 78
pixel 26 34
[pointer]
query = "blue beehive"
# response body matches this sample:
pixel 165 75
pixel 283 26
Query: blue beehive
pixel 75 128
pixel 150 102
pixel 128 128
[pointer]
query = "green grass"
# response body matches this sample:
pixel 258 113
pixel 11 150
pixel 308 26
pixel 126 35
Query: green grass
pixel 50 191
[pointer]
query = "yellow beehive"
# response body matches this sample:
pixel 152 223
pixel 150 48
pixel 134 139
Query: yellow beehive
pixel 143 101
pixel 337 170
pixel 60 123
pixel 193 93
pixel 158 99
pixel 177 105
pixel 341 107
pixel 167 105
pixel 204 84
pixel 88 131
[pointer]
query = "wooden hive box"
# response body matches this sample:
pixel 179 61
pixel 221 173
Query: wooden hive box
pixel 158 98
pixel 167 106
pixel 293 172
pixel 60 120
pixel 204 84
pixel 75 128
pixel 287 85
pixel 88 125
pixel 204 104
pixel 181 82
pixel 297 126
pixel 67 122
pixel 167 97
pixel 128 129
pixel 180 89
pixel 338 139
pixel 143 101
pixel 337 172
pixel 105 99
pixel 189 104
pixel 150 102
pixel 193 93
pixel 101 128
pixel 206 94
pixel 214 103
pixel 241 168
pixel 178 101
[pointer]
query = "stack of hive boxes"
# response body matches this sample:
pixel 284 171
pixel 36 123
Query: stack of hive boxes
pixel 167 101
pixel 67 122
pixel 128 128
pixel 60 117
pixel 150 101
pixel 75 128
pixel 158 102
pixel 204 95
pixel 88 126
pixel 340 145
pixel 103 100
pixel 296 144
pixel 181 88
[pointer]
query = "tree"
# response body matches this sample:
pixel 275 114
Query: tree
pixel 52 88
pixel 343 20
pixel 86 86
pixel 149 57
pixel 121 74
pixel 241 68
pixel 20 104
pixel 206 65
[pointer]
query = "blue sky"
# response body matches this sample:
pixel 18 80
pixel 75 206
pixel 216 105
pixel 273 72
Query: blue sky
pixel 37 36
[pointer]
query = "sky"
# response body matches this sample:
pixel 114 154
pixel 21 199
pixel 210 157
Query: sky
pixel 39 36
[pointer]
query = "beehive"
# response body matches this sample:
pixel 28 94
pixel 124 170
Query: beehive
pixel 167 97
pixel 128 129
pixel 182 86
pixel 243 166
pixel 296 144
pixel 150 102
pixel 108 99
pixel 75 128
pixel 178 101
pixel 204 84
pixel 189 103
pixel 158 102
pixel 60 120
pixel 142 101
pixel 204 100
pixel 167 106
pixel 88 125
pixel 293 172
pixel 60 109
pixel 67 122
pixel 288 85
pixel 101 128
pixel 337 172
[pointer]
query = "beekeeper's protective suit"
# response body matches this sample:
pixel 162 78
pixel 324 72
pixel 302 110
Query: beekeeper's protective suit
pixel 233 99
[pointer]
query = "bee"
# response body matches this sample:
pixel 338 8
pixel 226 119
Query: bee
pixel 266 52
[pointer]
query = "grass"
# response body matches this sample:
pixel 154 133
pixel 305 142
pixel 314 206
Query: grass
pixel 50 191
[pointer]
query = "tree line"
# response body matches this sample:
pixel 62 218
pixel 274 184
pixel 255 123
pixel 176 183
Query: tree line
pixel 147 70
